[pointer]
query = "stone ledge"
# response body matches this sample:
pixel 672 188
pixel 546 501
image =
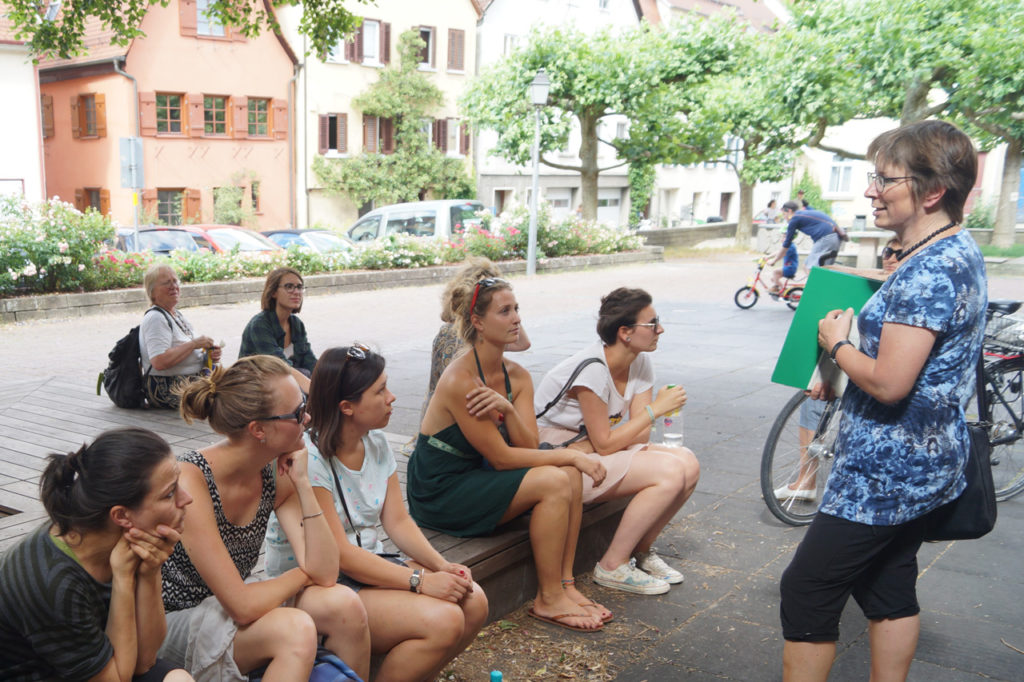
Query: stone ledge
pixel 63 306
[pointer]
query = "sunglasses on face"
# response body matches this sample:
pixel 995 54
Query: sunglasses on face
pixel 290 287
pixel 297 415
pixel 889 252
pixel 485 283
pixel 653 324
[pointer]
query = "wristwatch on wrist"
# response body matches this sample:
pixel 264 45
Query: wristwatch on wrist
pixel 415 579
pixel 839 344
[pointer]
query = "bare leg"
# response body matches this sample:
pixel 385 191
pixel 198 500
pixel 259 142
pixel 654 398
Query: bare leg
pixel 547 490
pixel 339 614
pixel 178 676
pixel 807 661
pixel 808 465
pixel 285 637
pixel 691 472
pixel 893 643
pixel 571 542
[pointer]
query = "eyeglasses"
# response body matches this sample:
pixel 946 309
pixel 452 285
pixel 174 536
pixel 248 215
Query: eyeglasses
pixel 297 415
pixel 357 351
pixel 880 182
pixel 290 287
pixel 653 324
pixel 486 283
pixel 889 252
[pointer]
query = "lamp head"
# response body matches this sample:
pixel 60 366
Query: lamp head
pixel 539 88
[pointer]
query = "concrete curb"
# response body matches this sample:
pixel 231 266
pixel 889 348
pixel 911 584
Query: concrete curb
pixel 63 306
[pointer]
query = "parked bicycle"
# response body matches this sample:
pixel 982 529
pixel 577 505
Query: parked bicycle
pixel 789 290
pixel 800 448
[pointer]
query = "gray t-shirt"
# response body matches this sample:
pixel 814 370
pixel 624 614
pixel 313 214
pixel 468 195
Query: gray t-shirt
pixel 158 333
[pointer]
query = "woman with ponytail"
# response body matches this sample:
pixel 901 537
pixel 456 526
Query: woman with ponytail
pixel 80 595
pixel 222 626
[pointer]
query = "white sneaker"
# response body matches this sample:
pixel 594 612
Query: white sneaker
pixel 784 492
pixel 629 578
pixel 652 564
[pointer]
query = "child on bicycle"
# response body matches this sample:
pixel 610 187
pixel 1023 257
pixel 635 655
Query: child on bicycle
pixel 787 271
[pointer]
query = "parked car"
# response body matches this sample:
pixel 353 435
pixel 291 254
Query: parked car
pixel 438 219
pixel 158 239
pixel 224 238
pixel 318 240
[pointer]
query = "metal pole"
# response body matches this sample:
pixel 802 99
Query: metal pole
pixel 131 152
pixel 531 250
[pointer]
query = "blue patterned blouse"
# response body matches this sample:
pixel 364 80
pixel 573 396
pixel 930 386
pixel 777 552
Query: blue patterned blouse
pixel 897 462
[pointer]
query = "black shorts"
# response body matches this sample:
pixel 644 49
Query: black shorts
pixel 837 558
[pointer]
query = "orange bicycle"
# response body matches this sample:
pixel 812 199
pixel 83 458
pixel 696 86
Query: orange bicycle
pixel 790 291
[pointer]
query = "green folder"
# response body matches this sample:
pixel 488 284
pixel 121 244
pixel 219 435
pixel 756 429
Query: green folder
pixel 825 290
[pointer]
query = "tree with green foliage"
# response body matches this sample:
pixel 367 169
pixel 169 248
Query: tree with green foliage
pixel 57 29
pixel 644 74
pixel 406 96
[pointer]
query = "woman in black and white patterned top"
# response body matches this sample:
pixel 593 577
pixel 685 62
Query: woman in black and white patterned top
pixel 220 625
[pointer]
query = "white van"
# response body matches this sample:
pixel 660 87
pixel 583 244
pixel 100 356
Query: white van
pixel 438 219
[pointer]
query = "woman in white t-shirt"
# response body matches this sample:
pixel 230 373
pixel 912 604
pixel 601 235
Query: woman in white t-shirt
pixel 423 612
pixel 613 399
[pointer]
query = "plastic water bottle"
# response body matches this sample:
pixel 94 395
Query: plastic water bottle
pixel 496 676
pixel 671 427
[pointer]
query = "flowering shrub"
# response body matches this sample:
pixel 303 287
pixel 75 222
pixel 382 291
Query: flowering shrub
pixel 400 251
pixel 479 241
pixel 48 245
pixel 206 266
pixel 117 270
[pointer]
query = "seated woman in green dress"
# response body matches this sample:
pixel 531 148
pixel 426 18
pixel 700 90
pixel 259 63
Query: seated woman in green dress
pixel 481 410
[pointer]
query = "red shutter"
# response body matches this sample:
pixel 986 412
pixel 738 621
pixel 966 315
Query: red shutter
pixel 187 17
pixel 147 113
pixel 359 44
pixel 81 203
pixel 325 131
pixel 463 139
pixel 370 134
pixel 76 128
pixel 46 112
pixel 239 117
pixel 456 49
pixel 387 136
pixel 343 133
pixel 101 114
pixel 195 120
pixel 105 201
pixel 192 205
pixel 385 43
pixel 280 118
pixel 350 50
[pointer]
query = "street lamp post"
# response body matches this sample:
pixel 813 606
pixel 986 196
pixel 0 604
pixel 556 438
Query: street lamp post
pixel 538 97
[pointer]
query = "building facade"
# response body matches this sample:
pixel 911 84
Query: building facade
pixel 22 119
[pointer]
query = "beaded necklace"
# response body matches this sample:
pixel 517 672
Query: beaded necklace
pixel 903 253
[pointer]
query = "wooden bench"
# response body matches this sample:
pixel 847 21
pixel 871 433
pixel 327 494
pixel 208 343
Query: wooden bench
pixel 42 416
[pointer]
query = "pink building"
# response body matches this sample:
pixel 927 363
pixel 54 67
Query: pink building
pixel 211 107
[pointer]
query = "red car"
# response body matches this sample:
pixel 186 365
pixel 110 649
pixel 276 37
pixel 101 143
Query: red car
pixel 224 238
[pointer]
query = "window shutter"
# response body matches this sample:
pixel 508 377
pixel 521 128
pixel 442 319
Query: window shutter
pixel 196 122
pixel 463 139
pixel 46 111
pixel 280 119
pixel 76 129
pixel 187 19
pixel 387 136
pixel 370 134
pixel 80 202
pixel 325 131
pixel 239 117
pixel 433 45
pixel 359 44
pixel 101 114
pixel 385 43
pixel 192 205
pixel 343 133
pixel 456 49
pixel 105 201
pixel 149 197
pixel 350 50
pixel 147 113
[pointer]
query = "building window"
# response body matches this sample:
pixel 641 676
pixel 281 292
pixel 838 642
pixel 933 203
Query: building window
pixel 215 115
pixel 371 45
pixel 378 135
pixel 255 191
pixel 840 174
pixel 170 206
pixel 429 47
pixel 208 24
pixel 333 134
pixel 620 130
pixel 456 49
pixel 168 113
pixel 607 202
pixel 511 40
pixel 602 4
pixel 371 41
pixel 88 116
pixel 259 117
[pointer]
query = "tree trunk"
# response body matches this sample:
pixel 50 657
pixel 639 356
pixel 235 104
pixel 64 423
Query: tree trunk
pixel 745 224
pixel 1006 212
pixel 588 165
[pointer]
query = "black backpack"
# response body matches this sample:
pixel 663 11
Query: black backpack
pixel 123 379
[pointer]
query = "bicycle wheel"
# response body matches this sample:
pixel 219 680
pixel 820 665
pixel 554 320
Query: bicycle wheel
pixel 746 297
pixel 1004 412
pixel 784 457
pixel 794 296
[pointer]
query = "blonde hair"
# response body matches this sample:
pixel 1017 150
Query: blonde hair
pixel 465 305
pixel 152 278
pixel 231 398
pixel 474 269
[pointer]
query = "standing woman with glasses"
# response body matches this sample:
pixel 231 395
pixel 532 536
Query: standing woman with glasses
pixel 277 329
pixel 423 612
pixel 222 625
pixel 903 441
pixel 171 352
pixel 482 410
pixel 607 411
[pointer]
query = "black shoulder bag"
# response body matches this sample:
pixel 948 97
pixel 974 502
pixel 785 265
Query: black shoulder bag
pixel 561 393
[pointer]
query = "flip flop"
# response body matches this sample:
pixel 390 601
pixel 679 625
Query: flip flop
pixel 559 620
pixel 592 605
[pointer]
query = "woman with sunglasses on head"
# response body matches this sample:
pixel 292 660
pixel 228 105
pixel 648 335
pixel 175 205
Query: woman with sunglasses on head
pixel 80 595
pixel 613 398
pixel 421 613
pixel 903 442
pixel 220 625
pixel 277 330
pixel 481 410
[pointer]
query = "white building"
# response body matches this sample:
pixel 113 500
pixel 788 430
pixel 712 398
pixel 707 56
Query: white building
pixel 23 119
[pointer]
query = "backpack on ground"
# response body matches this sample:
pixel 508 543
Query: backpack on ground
pixel 123 379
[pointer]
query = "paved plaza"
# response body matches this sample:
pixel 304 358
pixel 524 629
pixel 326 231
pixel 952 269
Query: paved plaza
pixel 722 623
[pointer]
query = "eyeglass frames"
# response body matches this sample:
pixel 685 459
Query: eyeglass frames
pixel 297 415
pixel 485 283
pixel 291 287
pixel 889 252
pixel 653 324
pixel 881 182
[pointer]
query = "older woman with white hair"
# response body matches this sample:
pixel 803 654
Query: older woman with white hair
pixel 171 351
